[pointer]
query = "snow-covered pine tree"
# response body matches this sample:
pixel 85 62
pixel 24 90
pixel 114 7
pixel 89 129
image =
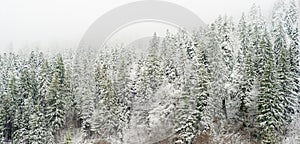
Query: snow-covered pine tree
pixel 141 98
pixel 285 29
pixel 278 30
pixel 38 131
pixel 98 119
pixel 8 105
pixel 167 58
pixel 244 97
pixel 291 25
pixel 44 81
pixel 243 77
pixel 270 109
pixel 291 19
pixel 192 114
pixel 40 110
pixel 226 44
pixel 87 104
pixel 222 62
pixel 170 71
pixel 123 91
pixel 69 93
pixel 264 46
pixel 284 86
pixel 34 67
pixel 202 95
pixel 245 91
pixel 279 40
pixel 23 110
pixel 185 123
pixel 183 113
pixel 259 54
pixel 247 97
pixel 76 78
pixel 181 43
pixel 243 32
pixel 149 79
pixel 98 80
pixel 153 71
pixel 122 83
pixel 56 99
pixel 6 114
pixel 132 95
pixel 80 93
pixel 165 45
pixel 293 58
pixel 171 59
pixel 215 69
pixel 107 117
pixel 255 27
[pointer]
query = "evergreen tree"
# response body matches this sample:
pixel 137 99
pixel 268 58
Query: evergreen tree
pixel 56 100
pixel 245 95
pixel 245 70
pixel 8 110
pixel 202 97
pixel 216 70
pixel 270 110
pixel 291 24
pixel 124 92
pixel 284 89
pixel 221 63
pixel 153 74
pixel 107 116
pixel 278 30
pixel 7 91
pixel 279 42
pixel 69 95
pixel 23 111
pixel 44 80
pixel 183 114
pixel 38 131
pixel 243 31
pixel 142 97
pixel 87 105
pixel 293 59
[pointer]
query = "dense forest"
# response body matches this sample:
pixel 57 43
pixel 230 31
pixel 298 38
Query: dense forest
pixel 225 83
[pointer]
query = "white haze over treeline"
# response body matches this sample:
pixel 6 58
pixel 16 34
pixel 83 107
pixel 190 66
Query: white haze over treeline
pixel 53 25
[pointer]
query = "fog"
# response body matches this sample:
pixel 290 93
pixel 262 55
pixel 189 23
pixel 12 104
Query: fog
pixel 52 24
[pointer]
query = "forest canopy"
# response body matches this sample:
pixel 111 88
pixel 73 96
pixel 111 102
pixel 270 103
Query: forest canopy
pixel 226 83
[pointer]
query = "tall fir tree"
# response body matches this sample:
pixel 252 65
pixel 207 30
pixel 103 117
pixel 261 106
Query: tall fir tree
pixel 23 111
pixel 56 99
pixel 183 113
pixel 291 24
pixel 87 105
pixel 107 117
pixel 270 110
pixel 284 86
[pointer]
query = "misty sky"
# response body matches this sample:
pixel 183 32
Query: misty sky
pixel 57 23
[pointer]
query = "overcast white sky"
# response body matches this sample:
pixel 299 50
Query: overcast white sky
pixel 63 22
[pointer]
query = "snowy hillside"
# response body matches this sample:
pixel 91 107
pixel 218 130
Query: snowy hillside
pixel 225 83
